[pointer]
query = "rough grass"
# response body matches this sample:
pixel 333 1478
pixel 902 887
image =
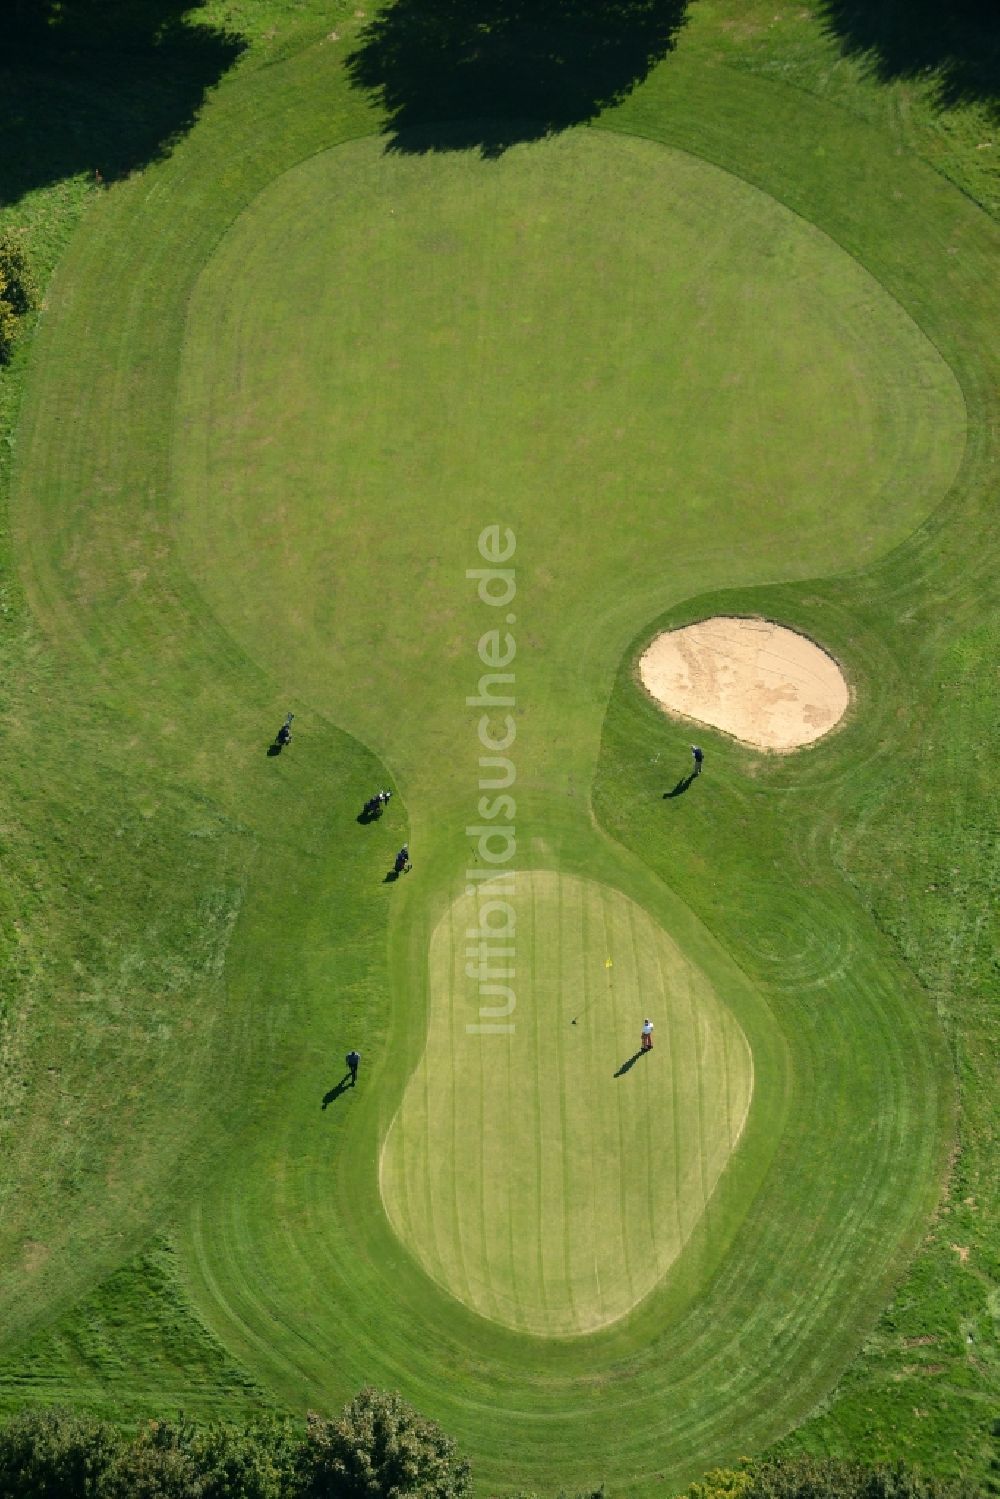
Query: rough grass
pixel 135 1330
pixel 925 855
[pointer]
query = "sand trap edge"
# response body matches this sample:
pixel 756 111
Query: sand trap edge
pixel 833 712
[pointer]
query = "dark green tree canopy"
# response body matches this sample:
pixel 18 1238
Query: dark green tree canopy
pixel 827 1478
pixel 381 1448
pixel 55 1454
pixel 17 291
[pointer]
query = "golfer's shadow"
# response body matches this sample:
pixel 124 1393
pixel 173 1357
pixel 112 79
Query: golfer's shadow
pixel 338 1091
pixel 274 749
pixel 681 787
pixel 391 877
pixel 627 1066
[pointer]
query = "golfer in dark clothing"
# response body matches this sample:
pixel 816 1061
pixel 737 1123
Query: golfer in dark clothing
pixel 352 1059
pixel 699 755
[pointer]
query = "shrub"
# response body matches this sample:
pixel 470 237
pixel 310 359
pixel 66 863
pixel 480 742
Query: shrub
pixel 381 1448
pixel 17 291
pixel 257 1462
pixel 828 1478
pixel 722 1483
pixel 55 1454
pixel 176 1460
pixel 157 1465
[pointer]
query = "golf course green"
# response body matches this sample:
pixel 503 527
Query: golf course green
pixel 523 1184
pixel 425 446
pixel 645 368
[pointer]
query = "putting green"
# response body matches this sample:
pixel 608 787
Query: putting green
pixel 659 377
pixel 526 1185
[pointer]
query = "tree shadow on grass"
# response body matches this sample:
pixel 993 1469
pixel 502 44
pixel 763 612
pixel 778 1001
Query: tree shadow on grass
pixel 955 46
pixel 497 72
pixel 100 86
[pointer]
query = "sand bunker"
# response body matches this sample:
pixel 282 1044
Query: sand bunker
pixel 751 678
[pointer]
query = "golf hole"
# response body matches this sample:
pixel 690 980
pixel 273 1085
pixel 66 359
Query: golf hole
pixel 766 685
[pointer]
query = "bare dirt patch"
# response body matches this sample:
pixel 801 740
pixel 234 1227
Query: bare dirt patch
pixel 756 680
pixel 35 1255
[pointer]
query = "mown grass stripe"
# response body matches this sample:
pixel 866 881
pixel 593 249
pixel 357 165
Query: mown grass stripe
pixel 607 1146
pixel 574 1235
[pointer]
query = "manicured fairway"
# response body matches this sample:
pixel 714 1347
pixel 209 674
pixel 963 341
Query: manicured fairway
pixel 652 372
pixel 723 353
pixel 525 1185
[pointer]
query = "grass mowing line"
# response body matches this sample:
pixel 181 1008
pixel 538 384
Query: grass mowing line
pixel 57 1367
pixel 579 1229
pixel 538 1095
pixel 933 1312
pixel 674 119
pixel 601 917
pixel 254 1337
pixel 718 811
pixel 606 1126
pixel 824 336
pixel 508 1374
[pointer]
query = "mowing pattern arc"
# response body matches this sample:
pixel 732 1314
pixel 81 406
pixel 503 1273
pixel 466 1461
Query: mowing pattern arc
pixel 287 1253
pixel 646 367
